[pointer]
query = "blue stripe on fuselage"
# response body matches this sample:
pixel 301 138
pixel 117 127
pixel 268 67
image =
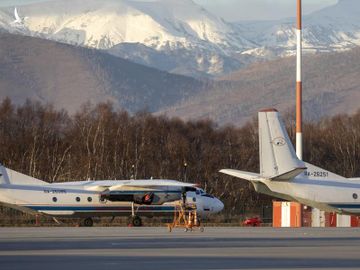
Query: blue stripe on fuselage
pixel 346 206
pixel 97 208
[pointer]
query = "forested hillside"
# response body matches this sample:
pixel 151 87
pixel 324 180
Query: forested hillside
pixel 330 86
pixel 68 76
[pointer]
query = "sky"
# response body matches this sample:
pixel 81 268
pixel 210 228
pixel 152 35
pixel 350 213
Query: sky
pixel 237 10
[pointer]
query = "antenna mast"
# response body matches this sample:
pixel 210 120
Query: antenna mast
pixel 299 139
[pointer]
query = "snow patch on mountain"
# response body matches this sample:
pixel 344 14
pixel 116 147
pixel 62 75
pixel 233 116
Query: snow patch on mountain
pixel 167 26
pixel 335 28
pixel 180 36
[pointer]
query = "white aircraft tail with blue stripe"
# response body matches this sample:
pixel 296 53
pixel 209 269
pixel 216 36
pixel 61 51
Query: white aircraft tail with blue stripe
pixel 11 177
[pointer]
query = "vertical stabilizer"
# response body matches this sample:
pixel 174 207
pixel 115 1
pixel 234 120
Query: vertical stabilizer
pixel 15 178
pixel 4 177
pixel 277 154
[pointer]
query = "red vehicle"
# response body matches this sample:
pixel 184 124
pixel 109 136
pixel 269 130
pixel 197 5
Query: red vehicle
pixel 254 222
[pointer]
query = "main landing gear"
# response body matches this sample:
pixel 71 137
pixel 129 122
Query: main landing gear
pixel 134 220
pixel 87 222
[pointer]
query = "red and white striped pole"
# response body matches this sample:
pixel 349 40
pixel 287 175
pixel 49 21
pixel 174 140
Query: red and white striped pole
pixel 299 139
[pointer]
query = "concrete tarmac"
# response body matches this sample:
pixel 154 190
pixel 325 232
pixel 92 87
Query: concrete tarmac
pixel 155 248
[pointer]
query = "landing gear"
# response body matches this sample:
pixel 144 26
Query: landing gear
pixel 88 222
pixel 134 220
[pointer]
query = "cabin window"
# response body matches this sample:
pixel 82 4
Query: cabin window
pixel 78 199
pixel 194 199
pixel 355 196
pixel 89 199
pixel 54 199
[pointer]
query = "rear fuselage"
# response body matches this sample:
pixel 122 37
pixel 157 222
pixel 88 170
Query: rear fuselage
pixel 342 196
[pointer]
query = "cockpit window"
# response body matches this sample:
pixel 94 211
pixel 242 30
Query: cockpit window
pixel 207 195
pixel 191 189
pixel 200 191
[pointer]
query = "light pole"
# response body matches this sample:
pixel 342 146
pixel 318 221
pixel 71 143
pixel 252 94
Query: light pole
pixel 299 138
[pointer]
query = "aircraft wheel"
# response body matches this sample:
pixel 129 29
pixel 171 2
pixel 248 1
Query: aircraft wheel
pixel 88 222
pixel 136 221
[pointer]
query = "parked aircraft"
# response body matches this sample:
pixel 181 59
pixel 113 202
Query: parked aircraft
pixel 88 199
pixel 284 176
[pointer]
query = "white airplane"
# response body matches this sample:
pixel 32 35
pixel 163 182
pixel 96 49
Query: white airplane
pixel 18 20
pixel 88 199
pixel 284 176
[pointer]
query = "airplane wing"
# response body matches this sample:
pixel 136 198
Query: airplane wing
pixel 97 188
pixel 142 191
pixel 131 188
pixel 147 185
pixel 241 174
pixel 119 188
pixel 141 185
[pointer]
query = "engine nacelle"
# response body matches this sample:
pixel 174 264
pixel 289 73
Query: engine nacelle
pixel 143 198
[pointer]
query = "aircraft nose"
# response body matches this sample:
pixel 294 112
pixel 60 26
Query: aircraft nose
pixel 219 206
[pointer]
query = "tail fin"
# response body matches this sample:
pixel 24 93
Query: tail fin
pixel 278 159
pixel 8 176
pixel 4 177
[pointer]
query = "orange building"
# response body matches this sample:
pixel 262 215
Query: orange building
pixel 295 215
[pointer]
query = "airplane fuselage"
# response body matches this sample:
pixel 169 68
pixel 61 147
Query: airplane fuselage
pixel 340 196
pixel 78 200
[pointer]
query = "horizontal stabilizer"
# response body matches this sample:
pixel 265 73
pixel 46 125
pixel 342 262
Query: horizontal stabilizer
pixel 289 175
pixel 241 174
pixel 257 177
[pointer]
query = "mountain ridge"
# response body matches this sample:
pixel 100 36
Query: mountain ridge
pixel 331 85
pixel 181 36
pixel 69 76
pixel 165 26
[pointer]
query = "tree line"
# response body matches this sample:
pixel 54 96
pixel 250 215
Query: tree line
pixel 100 142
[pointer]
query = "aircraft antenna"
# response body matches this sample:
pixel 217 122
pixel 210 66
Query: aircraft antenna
pixel 299 139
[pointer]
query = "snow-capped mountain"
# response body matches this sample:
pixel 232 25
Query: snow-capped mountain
pixel 180 36
pixel 335 28
pixel 161 25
